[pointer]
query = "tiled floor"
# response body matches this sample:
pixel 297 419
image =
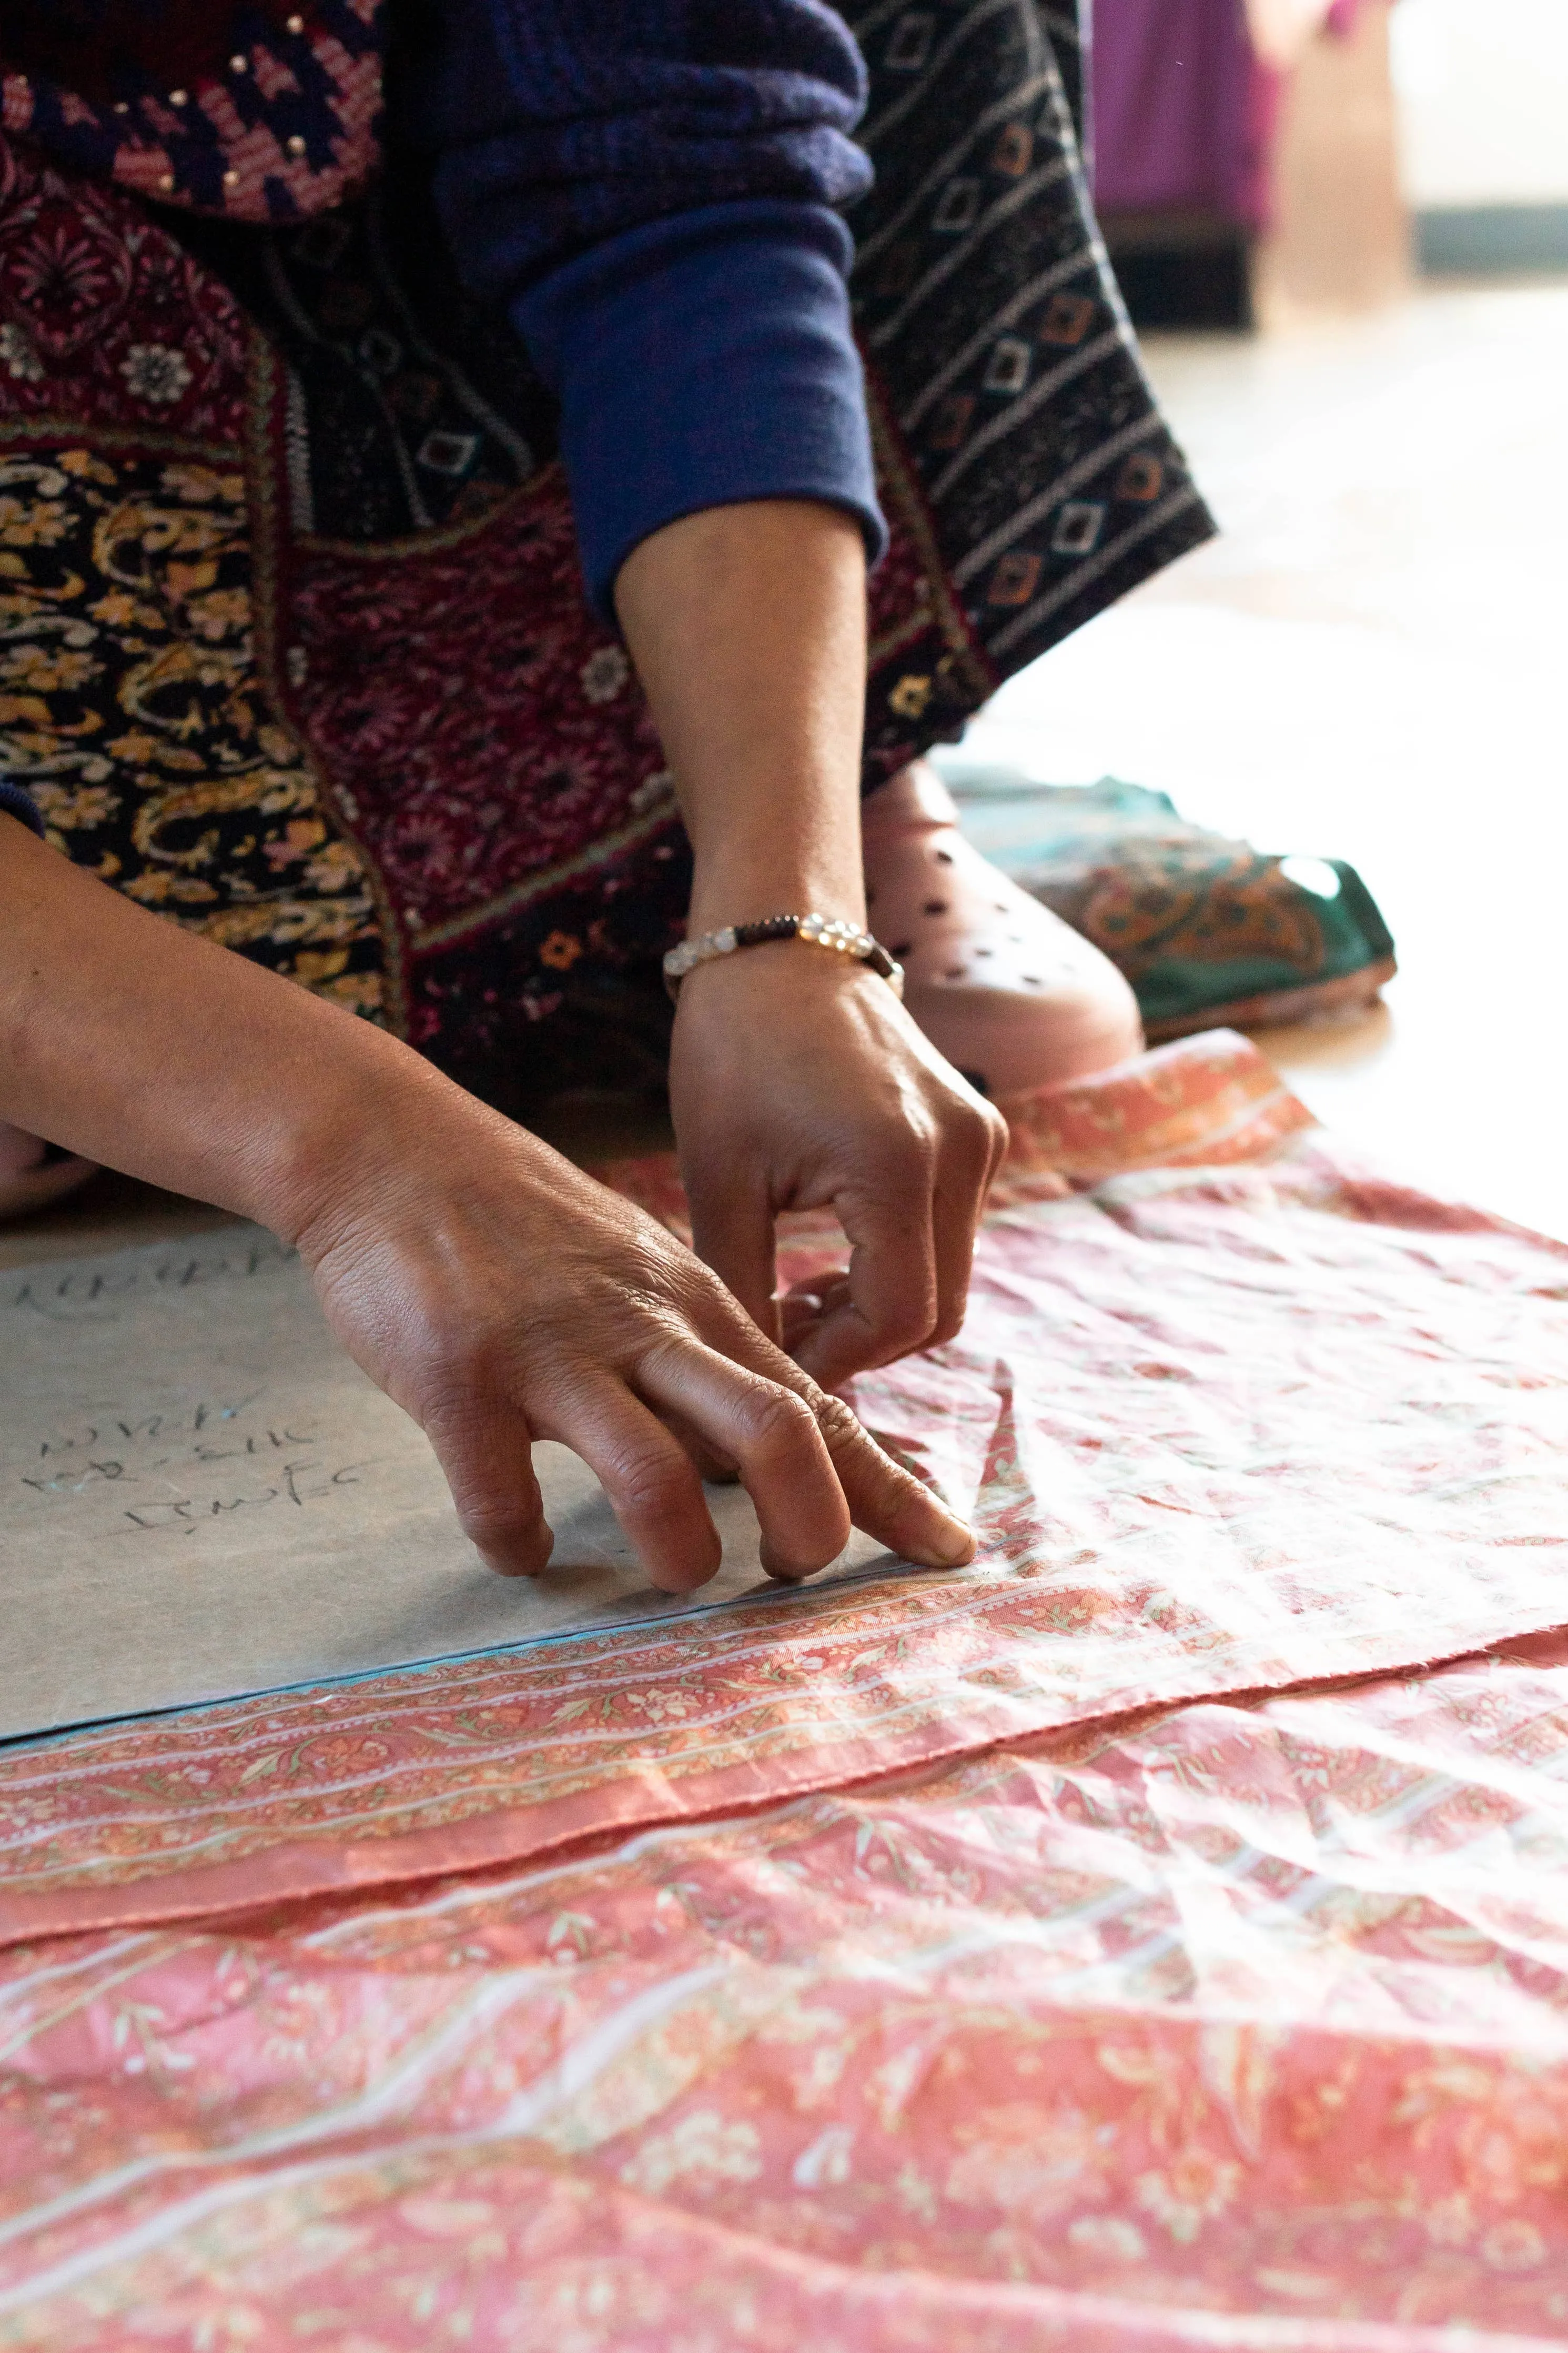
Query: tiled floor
pixel 1370 663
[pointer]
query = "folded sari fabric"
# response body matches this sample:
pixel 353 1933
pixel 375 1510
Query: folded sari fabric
pixel 1131 1943
pixel 1228 1414
pixel 1241 2028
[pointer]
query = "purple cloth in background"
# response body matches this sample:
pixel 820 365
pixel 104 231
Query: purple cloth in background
pixel 1183 109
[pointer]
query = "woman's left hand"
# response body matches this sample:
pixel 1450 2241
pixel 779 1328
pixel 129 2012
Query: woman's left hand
pixel 797 1081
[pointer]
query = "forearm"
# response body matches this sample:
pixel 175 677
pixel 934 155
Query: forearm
pixel 748 628
pixel 134 1043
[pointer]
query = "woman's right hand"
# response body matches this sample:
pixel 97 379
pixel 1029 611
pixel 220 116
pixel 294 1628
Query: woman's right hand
pixel 500 1294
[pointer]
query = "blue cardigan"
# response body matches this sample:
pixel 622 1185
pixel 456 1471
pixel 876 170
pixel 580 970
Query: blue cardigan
pixel 647 186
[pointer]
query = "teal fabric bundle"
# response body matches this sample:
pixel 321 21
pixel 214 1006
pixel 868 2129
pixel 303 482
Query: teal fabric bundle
pixel 1207 929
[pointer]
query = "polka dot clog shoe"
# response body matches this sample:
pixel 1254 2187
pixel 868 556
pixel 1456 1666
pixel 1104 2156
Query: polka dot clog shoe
pixel 1011 995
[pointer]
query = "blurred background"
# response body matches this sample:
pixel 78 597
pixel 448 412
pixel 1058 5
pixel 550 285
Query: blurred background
pixel 1342 231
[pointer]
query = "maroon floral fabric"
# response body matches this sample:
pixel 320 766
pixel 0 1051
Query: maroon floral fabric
pixel 293 644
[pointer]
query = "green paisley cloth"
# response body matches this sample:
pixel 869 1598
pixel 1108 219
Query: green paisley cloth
pixel 1209 930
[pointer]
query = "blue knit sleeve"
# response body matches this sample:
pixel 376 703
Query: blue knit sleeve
pixel 702 362
pixel 15 802
pixel 564 123
pixel 648 186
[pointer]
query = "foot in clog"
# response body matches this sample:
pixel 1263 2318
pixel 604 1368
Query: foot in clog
pixel 33 1174
pixel 1009 993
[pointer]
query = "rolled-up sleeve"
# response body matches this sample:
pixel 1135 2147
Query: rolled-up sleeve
pixel 648 186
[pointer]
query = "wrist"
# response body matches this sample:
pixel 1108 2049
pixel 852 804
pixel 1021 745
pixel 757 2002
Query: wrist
pixel 357 1141
pixel 755 983
pixel 391 1147
pixel 783 840
pixel 743 883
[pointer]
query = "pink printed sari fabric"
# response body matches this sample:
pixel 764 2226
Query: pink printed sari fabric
pixel 1241 1424
pixel 1012 1961
pixel 1241 2027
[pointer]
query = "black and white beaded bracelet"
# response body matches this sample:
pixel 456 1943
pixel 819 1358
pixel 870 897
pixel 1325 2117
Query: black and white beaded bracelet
pixel 817 931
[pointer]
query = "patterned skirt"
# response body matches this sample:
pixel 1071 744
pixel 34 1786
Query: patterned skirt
pixel 293 645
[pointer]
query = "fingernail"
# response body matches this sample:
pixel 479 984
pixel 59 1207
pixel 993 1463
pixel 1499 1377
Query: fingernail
pixel 957 1545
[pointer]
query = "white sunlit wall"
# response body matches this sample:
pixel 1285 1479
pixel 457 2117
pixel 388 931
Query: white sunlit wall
pixel 1483 111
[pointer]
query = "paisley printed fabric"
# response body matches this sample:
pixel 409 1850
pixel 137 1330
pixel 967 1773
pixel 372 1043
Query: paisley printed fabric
pixel 1226 1413
pixel 878 1969
pixel 458 819
pixel 104 323
pixel 1235 2029
pixel 192 799
pixel 1207 929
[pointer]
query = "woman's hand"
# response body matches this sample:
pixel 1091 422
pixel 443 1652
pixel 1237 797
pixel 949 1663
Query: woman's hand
pixel 493 1290
pixel 498 1294
pixel 796 1079
pixel 797 1082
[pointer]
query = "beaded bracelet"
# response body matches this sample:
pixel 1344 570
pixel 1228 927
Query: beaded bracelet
pixel 819 931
